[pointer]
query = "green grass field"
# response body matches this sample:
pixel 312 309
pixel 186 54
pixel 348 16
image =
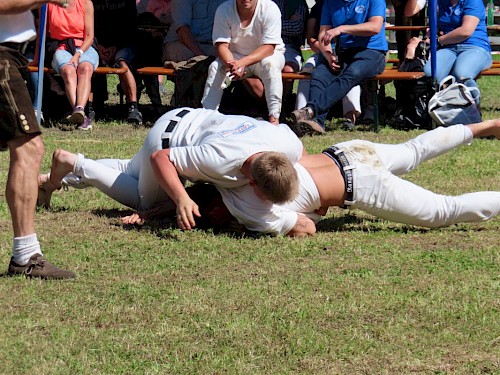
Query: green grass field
pixel 364 296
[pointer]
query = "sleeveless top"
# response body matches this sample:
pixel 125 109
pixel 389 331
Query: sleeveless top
pixel 67 23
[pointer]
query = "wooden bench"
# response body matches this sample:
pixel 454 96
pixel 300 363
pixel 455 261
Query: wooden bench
pixel 389 74
pixel 493 71
pixel 156 70
pixel 99 70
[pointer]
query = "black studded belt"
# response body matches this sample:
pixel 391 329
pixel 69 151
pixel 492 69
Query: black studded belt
pixel 346 169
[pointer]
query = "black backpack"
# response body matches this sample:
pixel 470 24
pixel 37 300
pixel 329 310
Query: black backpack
pixel 412 112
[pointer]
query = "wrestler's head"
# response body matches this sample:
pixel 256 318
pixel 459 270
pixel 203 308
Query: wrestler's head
pixel 274 177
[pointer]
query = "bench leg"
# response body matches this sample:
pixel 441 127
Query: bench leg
pixel 376 113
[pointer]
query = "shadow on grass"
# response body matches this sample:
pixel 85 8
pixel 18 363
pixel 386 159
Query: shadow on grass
pixel 165 228
pixel 353 223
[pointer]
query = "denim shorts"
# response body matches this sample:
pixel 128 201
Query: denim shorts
pixel 17 117
pixel 127 54
pixel 62 57
pixel 292 55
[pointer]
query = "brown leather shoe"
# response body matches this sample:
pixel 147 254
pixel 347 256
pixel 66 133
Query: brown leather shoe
pixel 306 127
pixel 39 267
pixel 302 114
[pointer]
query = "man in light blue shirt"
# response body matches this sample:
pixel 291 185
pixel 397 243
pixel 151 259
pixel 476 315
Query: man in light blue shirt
pixel 191 32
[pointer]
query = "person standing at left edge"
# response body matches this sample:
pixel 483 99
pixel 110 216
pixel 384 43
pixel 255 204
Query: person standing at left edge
pixel 20 133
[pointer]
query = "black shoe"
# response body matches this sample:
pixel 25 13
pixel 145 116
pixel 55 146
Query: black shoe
pixel 134 116
pixel 91 115
pixel 39 267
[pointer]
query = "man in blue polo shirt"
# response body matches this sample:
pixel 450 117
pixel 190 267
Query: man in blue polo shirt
pixel 353 47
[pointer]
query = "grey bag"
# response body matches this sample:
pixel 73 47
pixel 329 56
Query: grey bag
pixel 454 103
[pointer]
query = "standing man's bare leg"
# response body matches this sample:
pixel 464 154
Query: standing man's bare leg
pixel 21 192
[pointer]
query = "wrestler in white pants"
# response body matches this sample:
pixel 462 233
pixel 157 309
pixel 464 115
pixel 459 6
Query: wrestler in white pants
pixel 378 190
pixel 129 181
pixel 268 70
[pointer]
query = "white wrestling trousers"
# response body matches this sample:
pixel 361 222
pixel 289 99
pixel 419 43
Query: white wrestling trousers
pixel 268 70
pixel 378 190
pixel 129 181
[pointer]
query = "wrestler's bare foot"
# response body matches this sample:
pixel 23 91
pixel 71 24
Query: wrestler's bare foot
pixel 45 190
pixel 488 128
pixel 62 164
pixel 495 129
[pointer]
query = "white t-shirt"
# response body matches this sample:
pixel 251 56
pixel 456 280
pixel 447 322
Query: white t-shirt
pixel 213 147
pixel 17 28
pixel 308 199
pixel 265 217
pixel 422 3
pixel 265 27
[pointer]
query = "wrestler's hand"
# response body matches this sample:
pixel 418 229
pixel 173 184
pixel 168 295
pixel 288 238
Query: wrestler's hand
pixel 186 210
pixel 135 218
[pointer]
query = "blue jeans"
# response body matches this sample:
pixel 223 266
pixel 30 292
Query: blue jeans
pixel 328 87
pixel 462 61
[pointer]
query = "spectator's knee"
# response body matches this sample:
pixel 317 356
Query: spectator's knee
pixel 85 68
pixel 67 71
pixel 290 68
pixel 271 66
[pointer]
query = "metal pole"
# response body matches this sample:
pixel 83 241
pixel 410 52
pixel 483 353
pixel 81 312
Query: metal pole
pixel 432 13
pixel 41 61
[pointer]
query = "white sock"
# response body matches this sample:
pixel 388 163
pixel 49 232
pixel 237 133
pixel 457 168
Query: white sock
pixel 24 248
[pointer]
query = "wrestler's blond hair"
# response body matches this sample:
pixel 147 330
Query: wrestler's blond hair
pixel 275 176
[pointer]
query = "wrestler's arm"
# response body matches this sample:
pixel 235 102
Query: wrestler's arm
pixel 169 180
pixel 303 227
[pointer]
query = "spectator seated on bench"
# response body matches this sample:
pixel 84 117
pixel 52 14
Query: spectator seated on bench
pixel 464 47
pixel 293 30
pixel 72 53
pixel 154 18
pixel 351 102
pixel 191 32
pixel 118 47
pixel 248 42
pixel 361 44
